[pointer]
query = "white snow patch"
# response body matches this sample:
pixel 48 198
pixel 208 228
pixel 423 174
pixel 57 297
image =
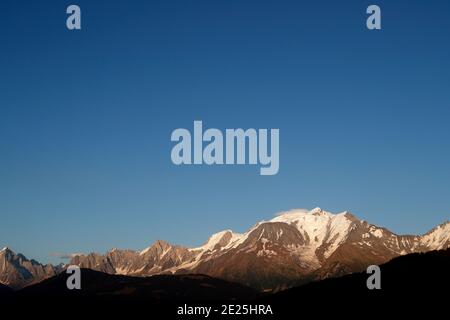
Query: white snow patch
pixel 437 238
pixel 122 271
pixel 215 239
pixel 376 232
pixel 145 251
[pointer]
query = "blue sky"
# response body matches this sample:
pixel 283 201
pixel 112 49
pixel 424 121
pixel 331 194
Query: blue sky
pixel 86 117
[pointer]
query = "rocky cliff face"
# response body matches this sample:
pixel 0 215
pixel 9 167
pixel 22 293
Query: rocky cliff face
pixel 16 271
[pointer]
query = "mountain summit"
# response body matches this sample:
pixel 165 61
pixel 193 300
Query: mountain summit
pixel 16 271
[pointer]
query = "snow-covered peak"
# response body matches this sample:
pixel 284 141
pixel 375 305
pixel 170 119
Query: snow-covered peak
pixel 161 244
pixel 319 226
pixel 290 216
pixel 437 238
pixel 319 211
pixel 215 239
pixel 222 238
pixel 295 215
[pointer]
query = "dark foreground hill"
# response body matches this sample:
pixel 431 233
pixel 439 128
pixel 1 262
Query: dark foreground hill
pixel 5 290
pixel 410 285
pixel 98 285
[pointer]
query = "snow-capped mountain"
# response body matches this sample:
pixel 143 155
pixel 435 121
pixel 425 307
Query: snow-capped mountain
pixel 158 258
pixel 16 271
pixel 294 247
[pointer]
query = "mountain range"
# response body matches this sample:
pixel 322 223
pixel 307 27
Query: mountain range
pixel 411 284
pixel 293 248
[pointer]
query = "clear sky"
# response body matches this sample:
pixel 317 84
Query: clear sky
pixel 86 117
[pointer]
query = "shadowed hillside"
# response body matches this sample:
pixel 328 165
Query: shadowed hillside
pixel 5 290
pixel 411 283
